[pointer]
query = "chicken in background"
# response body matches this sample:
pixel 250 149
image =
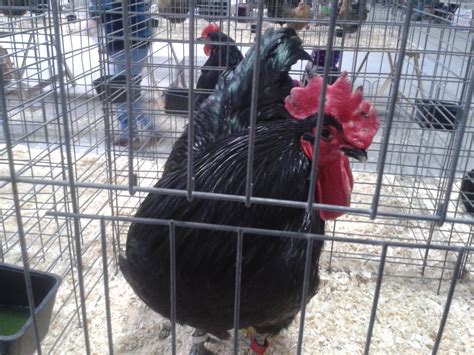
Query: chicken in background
pixel 302 11
pixel 172 9
pixel 289 9
pixel 227 110
pixel 222 53
pixel 350 12
pixel 272 267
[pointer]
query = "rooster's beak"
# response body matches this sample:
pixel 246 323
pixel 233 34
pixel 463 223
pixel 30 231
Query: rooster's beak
pixel 359 154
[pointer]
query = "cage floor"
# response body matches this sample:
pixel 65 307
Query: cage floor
pixel 337 318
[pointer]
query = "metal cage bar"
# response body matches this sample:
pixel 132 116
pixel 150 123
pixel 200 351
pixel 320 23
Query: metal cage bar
pixel 68 192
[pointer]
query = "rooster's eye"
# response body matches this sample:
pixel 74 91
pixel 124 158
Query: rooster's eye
pixel 326 134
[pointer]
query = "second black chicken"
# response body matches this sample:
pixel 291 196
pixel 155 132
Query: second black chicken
pixel 222 53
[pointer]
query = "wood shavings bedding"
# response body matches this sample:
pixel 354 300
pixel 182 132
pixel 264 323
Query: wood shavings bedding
pixel 337 318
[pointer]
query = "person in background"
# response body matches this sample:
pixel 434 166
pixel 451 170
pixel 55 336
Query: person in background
pixel 418 16
pixel 109 14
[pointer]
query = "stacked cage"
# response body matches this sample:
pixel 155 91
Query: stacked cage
pixel 396 269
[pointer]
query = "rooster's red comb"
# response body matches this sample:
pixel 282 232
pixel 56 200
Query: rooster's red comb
pixel 211 28
pixel 358 118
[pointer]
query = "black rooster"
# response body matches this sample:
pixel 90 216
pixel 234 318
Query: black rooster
pixel 272 268
pixel 227 110
pixel 222 53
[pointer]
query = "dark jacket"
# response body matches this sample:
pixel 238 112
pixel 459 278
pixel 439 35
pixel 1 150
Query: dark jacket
pixel 109 14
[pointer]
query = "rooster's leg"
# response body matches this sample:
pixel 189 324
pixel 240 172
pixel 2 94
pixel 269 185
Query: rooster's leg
pixel 259 344
pixel 200 337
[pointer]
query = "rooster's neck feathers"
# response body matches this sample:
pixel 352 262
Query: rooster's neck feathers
pixel 279 50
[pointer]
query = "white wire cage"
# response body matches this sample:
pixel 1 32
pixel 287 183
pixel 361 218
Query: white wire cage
pixel 389 266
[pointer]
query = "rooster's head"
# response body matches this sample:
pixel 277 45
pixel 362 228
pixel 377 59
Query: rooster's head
pixel 206 34
pixel 350 124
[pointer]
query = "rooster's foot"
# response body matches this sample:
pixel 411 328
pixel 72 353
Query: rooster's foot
pixel 200 337
pixel 200 349
pixel 259 344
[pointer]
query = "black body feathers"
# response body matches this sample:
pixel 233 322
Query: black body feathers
pixel 272 268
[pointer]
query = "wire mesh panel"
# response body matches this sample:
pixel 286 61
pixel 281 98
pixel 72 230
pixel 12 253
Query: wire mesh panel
pixel 94 97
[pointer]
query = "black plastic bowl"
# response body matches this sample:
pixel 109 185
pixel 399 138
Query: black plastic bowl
pixel 13 295
pixel 436 114
pixel 243 10
pixel 71 18
pixel 155 22
pixel 115 86
pixel 467 191
pixel 176 101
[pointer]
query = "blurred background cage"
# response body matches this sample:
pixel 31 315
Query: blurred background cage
pixel 67 192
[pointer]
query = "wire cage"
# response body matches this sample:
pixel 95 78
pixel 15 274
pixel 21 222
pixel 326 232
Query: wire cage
pixel 396 268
